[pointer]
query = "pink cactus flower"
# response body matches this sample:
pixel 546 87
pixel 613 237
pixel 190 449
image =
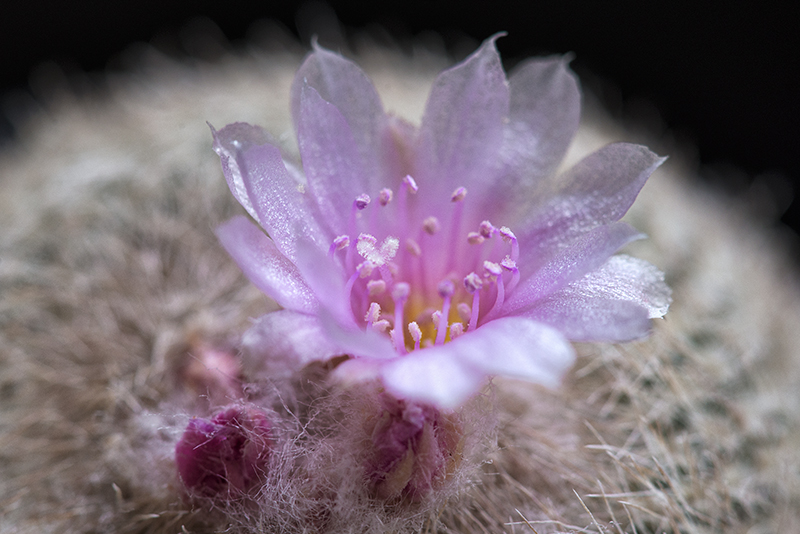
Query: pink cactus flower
pixel 439 255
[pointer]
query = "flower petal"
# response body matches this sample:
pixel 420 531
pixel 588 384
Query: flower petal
pixel 462 127
pixel 623 277
pixel 259 180
pixel 440 379
pixel 264 265
pixel 326 280
pixel 588 252
pixel 342 83
pixel 448 374
pixel 544 114
pixel 598 190
pixel 332 164
pixel 588 318
pixel 282 342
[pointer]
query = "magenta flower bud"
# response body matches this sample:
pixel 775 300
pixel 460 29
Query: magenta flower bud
pixel 414 447
pixel 224 456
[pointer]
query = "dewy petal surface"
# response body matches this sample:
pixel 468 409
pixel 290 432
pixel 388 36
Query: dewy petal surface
pixel 583 255
pixel 599 189
pixel 264 265
pixel 260 181
pixel 583 318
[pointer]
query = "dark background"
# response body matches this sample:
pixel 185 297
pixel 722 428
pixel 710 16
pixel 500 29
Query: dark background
pixel 721 77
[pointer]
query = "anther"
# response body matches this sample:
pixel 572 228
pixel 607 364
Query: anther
pixel 362 201
pixel 486 229
pixel 339 243
pixel 385 196
pixel 459 194
pixel 492 268
pixel 446 289
pixel 456 329
pixel 373 313
pixel 473 285
pixel 431 225
pixel 511 266
pixel 416 333
pixel 376 287
pixel 509 237
pixel 413 247
pixel 474 238
pixel 410 184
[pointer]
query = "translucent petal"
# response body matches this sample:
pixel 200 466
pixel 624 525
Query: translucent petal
pixel 587 318
pixel 264 265
pixel 258 178
pixel 588 252
pixel 342 83
pixel 333 167
pixel 598 190
pixel 447 375
pixel 462 127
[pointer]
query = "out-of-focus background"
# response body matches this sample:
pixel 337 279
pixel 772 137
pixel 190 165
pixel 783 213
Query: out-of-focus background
pixel 717 78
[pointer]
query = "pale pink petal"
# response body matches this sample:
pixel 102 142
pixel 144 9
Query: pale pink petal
pixel 283 342
pixel 462 127
pixel 447 375
pixel 583 255
pixel 325 278
pixel 588 318
pixel 351 340
pixel 258 178
pixel 544 116
pixel 342 83
pixel 623 277
pixel 264 265
pixel 598 190
pixel 440 379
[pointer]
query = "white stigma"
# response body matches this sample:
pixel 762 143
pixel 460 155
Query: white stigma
pixel 368 249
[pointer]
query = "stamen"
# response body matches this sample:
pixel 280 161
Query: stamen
pixel 473 285
pixel 458 197
pixel 339 243
pixel 459 194
pixel 456 329
pixel 385 196
pixel 376 287
pixel 413 247
pixel 510 265
pixel 496 272
pixel 381 326
pixel 416 333
pixel 362 201
pixel 431 225
pixel 487 230
pixel 363 270
pixel 411 184
pixel 509 237
pixel 446 290
pixel 400 293
pixel 373 313
pixel 474 238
